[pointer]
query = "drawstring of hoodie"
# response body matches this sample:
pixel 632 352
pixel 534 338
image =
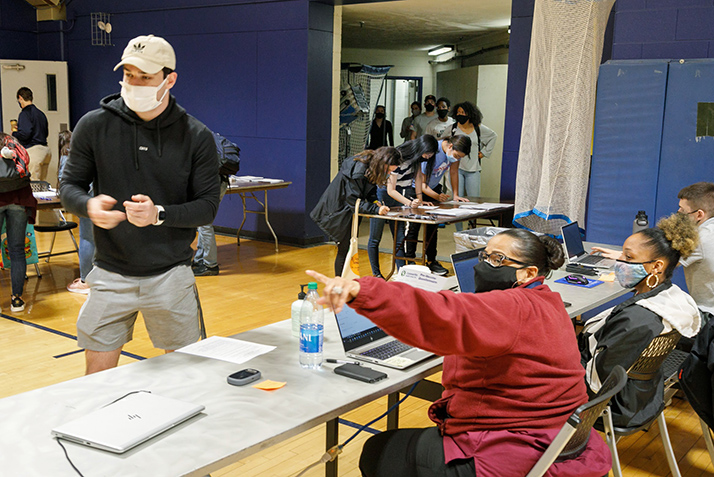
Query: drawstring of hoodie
pixel 158 131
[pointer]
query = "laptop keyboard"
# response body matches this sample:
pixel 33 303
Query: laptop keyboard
pixel 387 350
pixel 591 259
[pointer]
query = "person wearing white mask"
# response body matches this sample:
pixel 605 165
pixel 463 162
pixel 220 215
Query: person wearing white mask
pixel 155 175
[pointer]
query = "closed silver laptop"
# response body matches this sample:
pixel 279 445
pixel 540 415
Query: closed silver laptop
pixel 127 422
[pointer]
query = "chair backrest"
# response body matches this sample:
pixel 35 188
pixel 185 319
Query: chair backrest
pixel 651 359
pixel 573 437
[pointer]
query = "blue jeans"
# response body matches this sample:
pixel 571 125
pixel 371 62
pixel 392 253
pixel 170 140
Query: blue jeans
pixel 469 186
pixel 376 228
pixel 86 247
pixel 15 218
pixel 206 248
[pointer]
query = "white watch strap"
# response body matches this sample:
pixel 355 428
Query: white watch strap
pixel 159 209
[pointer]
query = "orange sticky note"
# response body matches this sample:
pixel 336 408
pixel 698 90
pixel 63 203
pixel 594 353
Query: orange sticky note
pixel 610 277
pixel 269 385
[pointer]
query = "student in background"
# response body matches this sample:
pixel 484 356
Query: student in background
pixel 380 132
pixel 441 126
pixel 18 207
pixel 512 375
pixel 31 133
pixel 358 179
pixel 400 191
pixel 420 122
pixel 619 335
pixel 406 132
pixel 449 152
pixel 86 232
pixel 468 123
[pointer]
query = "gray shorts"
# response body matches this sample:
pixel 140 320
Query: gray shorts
pixel 168 303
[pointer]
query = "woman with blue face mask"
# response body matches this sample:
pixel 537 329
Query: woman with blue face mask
pixel 619 335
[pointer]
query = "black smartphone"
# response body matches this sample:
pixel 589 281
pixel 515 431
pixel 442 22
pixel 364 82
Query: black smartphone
pixel 243 377
pixel 360 373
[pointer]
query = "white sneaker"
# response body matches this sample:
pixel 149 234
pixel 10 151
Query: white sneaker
pixel 78 286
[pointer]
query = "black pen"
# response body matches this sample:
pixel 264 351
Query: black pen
pixel 342 361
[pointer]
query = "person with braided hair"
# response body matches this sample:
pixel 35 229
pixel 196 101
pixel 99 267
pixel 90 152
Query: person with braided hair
pixel 512 374
pixel 619 335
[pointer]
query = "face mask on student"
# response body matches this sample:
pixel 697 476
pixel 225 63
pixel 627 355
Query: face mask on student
pixel 629 274
pixel 416 112
pixel 462 118
pixel 141 99
pixel 379 115
pixel 443 113
pixel 429 107
pixel 489 278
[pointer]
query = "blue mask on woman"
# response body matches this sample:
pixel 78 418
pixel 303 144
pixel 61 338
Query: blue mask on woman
pixel 629 274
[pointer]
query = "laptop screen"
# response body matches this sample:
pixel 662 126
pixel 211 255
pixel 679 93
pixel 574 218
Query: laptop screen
pixel 356 330
pixel 573 240
pixel 463 263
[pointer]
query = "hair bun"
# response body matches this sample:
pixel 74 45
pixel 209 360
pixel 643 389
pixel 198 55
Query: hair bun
pixel 554 251
pixel 681 232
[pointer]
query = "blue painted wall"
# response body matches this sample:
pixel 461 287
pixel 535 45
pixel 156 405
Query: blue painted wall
pixel 257 71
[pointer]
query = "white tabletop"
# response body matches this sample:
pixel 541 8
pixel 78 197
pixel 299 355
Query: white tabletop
pixel 237 421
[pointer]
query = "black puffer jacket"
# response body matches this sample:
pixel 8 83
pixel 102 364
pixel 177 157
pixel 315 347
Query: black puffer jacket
pixel 333 212
pixel 696 375
pixel 619 335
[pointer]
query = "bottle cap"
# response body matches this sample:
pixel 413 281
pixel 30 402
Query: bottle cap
pixel 312 286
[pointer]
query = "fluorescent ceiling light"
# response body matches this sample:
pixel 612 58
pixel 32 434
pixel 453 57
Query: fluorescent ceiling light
pixel 441 50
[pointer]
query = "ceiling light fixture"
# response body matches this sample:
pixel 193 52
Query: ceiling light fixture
pixel 440 50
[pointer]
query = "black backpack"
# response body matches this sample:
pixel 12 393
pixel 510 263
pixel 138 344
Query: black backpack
pixel 228 156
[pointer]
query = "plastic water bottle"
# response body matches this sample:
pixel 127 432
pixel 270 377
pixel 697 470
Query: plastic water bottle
pixel 641 222
pixel 312 323
pixel 295 310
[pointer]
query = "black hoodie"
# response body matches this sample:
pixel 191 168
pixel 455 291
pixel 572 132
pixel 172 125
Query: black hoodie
pixel 172 159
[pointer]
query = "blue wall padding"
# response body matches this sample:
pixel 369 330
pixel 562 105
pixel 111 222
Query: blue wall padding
pixel 628 127
pixel 685 158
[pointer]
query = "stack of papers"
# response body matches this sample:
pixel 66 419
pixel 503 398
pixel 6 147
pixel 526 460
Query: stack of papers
pixel 484 206
pixel 226 349
pixel 453 212
pixel 234 179
pixel 46 195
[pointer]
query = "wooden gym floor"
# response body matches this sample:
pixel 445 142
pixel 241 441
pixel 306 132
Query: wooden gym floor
pixel 255 287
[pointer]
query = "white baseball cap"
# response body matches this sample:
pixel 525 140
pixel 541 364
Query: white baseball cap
pixel 149 53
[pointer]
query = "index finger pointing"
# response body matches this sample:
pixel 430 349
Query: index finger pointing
pixel 318 276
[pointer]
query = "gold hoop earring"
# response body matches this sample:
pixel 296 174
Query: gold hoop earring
pixel 647 282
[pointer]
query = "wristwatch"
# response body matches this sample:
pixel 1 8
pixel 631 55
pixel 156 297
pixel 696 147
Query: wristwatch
pixel 160 216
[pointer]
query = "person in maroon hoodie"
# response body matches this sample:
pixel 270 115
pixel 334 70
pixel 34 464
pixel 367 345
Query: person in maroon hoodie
pixel 512 372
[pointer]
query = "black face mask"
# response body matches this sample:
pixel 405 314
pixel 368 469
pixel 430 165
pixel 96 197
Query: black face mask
pixel 443 113
pixel 462 118
pixel 429 107
pixel 489 278
pixel 379 115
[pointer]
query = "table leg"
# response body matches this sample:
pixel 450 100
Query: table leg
pixel 332 439
pixel 242 199
pixel 393 417
pixel 265 208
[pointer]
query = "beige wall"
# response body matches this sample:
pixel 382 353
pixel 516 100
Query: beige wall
pixel 336 61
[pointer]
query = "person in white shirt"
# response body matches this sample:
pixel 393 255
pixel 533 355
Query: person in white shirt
pixel 420 122
pixel 697 202
pixel 441 126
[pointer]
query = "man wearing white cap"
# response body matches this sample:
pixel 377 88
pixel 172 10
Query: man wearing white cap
pixel 155 175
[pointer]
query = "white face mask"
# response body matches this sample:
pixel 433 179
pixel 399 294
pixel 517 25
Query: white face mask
pixel 141 99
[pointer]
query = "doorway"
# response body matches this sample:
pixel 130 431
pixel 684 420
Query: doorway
pixel 399 93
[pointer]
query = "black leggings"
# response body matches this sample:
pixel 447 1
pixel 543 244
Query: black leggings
pixel 410 453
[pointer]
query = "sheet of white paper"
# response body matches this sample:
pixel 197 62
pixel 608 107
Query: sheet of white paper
pixel 48 194
pixel 429 207
pixel 453 212
pixel 270 181
pixel 226 349
pixel 247 178
pixel 453 202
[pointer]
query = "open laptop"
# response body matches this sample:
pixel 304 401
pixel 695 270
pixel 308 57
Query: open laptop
pixel 463 263
pixel 365 341
pixel 576 252
pixel 128 422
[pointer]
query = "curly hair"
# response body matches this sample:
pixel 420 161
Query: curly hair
pixel 63 142
pixel 471 111
pixel 378 162
pixel 674 237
